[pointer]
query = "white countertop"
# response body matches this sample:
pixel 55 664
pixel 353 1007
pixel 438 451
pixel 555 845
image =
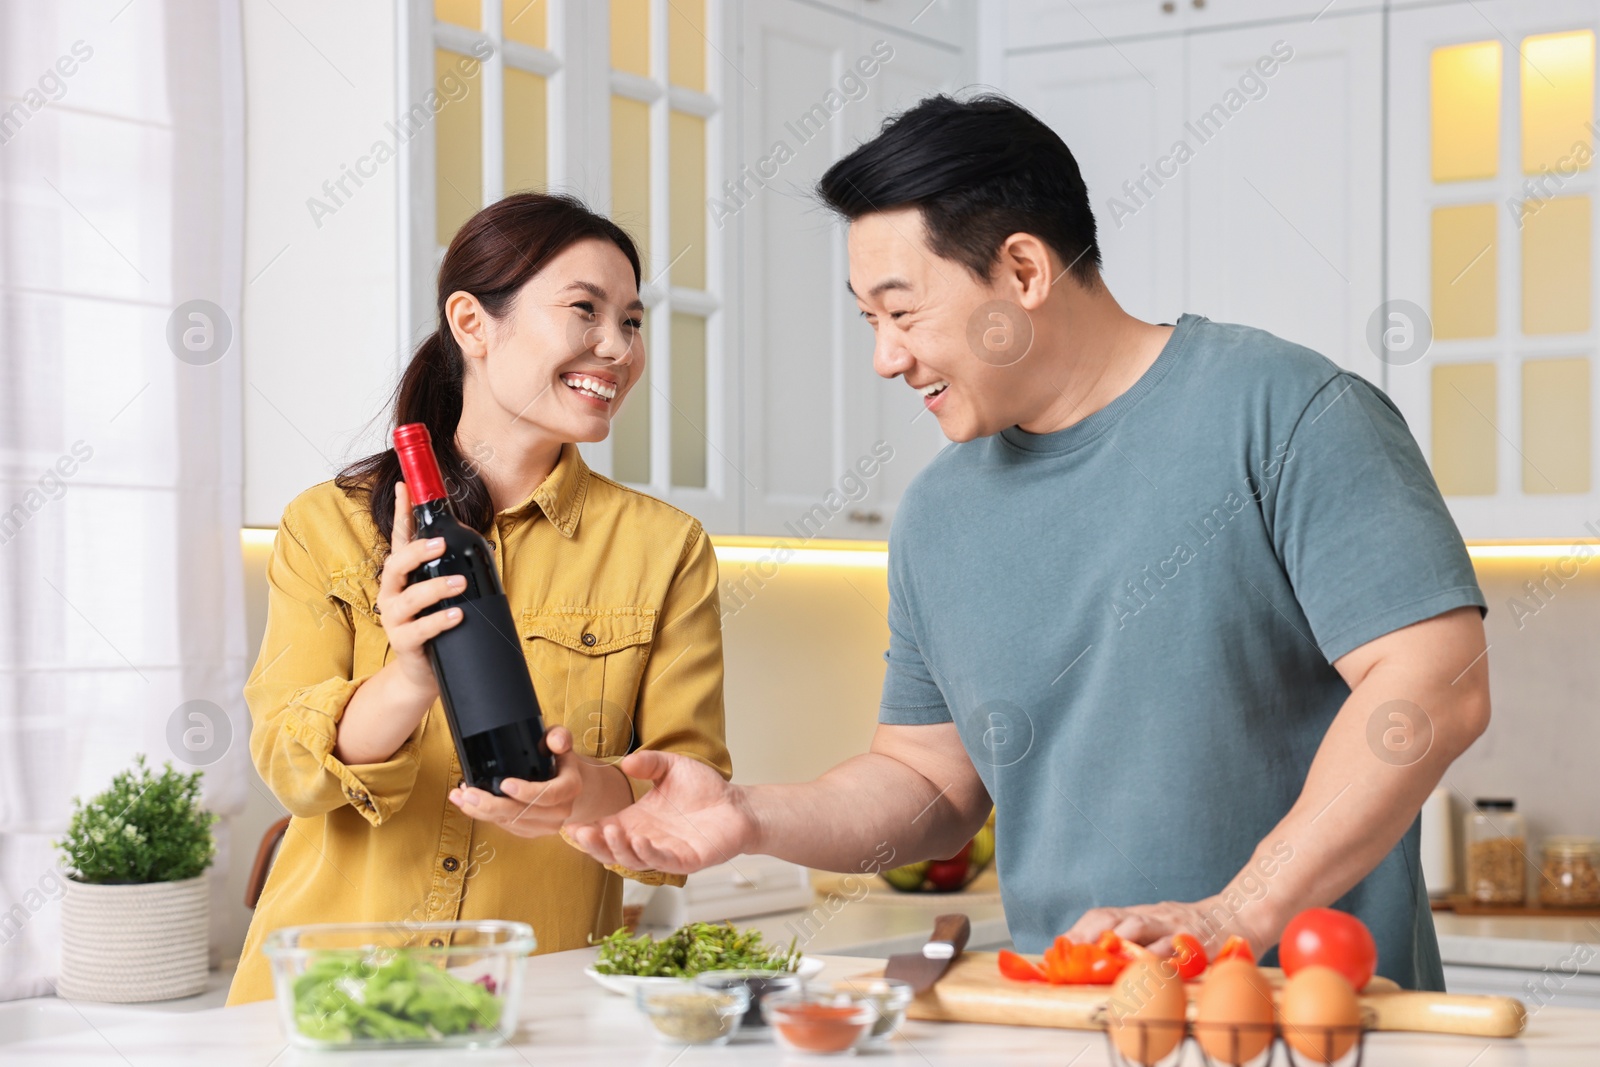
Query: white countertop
pixel 567 1019
pixel 1523 942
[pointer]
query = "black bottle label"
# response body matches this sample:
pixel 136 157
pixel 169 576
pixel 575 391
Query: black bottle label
pixel 483 676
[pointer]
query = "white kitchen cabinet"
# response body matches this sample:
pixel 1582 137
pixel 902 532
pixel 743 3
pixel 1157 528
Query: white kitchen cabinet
pixel 814 411
pixel 1119 109
pixel 1031 24
pixel 1285 191
pixel 1237 173
pixel 1503 401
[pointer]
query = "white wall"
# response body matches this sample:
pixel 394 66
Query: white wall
pixel 320 333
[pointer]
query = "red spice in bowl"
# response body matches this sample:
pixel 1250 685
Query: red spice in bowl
pixel 828 1023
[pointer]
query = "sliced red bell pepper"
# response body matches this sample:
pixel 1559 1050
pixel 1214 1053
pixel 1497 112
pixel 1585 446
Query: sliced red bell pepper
pixel 1020 968
pixel 1235 948
pixel 1188 956
pixel 1103 966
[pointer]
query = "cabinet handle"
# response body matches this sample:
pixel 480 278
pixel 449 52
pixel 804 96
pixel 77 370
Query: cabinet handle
pixel 868 517
pixel 1198 4
pixel 1169 6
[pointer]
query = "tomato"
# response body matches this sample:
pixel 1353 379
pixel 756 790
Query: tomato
pixel 1328 938
pixel 1235 948
pixel 951 874
pixel 1188 956
pixel 1103 966
pixel 1020 968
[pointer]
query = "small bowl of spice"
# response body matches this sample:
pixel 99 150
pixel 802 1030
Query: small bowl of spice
pixel 758 984
pixel 687 1015
pixel 820 1023
pixel 889 998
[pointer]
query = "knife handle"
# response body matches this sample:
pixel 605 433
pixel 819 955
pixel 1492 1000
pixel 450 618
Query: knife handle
pixel 950 934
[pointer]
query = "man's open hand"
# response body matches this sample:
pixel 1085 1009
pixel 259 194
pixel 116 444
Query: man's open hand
pixel 690 819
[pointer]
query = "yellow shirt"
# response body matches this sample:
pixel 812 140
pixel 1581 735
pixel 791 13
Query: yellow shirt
pixel 616 596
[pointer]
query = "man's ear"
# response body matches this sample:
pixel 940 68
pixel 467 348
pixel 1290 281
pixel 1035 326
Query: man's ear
pixel 469 324
pixel 1026 266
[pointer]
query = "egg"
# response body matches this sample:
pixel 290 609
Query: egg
pixel 1145 1014
pixel 1320 1014
pixel 1233 1013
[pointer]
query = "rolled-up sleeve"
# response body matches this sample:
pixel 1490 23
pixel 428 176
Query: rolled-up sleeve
pixel 301 684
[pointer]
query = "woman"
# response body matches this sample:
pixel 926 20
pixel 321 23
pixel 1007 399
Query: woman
pixel 615 594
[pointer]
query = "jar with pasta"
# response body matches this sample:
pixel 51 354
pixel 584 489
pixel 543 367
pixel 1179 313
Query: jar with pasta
pixel 1569 872
pixel 1497 844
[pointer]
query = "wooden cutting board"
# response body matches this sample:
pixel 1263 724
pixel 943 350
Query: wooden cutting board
pixel 973 991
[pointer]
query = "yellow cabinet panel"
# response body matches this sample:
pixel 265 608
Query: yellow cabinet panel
pixel 1464 266
pixel 686 185
pixel 630 171
pixel 1556 272
pixel 1556 426
pixel 1557 101
pixel 1465 86
pixel 458 142
pixel 689 430
pixel 630 36
pixel 466 13
pixel 686 44
pixel 1464 437
pixel 526 22
pixel 527 155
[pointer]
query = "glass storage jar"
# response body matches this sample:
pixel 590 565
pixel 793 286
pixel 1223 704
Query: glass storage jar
pixel 1497 842
pixel 1569 872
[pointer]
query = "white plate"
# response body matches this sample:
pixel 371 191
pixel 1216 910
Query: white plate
pixel 628 984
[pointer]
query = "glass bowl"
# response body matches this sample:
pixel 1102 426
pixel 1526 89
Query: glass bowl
pixel 687 1014
pixel 400 984
pixel 758 984
pixel 889 998
pixel 820 1023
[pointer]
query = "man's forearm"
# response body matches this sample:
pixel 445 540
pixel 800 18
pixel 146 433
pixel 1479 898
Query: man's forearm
pixel 1361 795
pixel 870 810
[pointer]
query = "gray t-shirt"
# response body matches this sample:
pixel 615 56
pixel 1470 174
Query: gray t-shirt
pixel 1132 623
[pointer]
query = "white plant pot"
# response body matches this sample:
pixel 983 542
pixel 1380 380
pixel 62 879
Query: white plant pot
pixel 128 943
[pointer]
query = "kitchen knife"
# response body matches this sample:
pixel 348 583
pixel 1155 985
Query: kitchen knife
pixel 923 969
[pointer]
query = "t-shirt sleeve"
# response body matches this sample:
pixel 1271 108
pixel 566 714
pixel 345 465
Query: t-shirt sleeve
pixel 1359 524
pixel 910 695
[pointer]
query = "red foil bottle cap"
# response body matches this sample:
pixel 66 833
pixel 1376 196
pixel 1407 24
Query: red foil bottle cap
pixel 418 465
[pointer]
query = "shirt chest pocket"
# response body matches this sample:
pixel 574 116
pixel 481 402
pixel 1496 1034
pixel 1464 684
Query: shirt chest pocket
pixel 587 664
pixel 358 592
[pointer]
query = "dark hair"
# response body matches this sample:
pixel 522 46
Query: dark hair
pixel 492 256
pixel 979 170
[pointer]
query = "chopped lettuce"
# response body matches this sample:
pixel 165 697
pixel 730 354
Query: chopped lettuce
pixel 342 998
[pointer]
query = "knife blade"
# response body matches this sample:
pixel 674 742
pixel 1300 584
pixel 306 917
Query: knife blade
pixel 923 969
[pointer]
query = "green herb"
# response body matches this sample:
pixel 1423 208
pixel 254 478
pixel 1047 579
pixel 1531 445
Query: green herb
pixel 145 828
pixel 691 949
pixel 347 998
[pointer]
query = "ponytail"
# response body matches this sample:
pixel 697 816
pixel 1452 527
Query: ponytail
pixel 492 256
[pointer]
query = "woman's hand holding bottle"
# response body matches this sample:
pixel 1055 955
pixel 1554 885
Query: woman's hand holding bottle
pixel 387 707
pixel 583 790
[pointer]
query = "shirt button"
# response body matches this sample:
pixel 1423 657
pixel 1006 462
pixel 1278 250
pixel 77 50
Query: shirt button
pixel 436 942
pixel 451 863
pixel 589 640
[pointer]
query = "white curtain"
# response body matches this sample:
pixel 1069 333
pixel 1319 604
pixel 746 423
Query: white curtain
pixel 121 603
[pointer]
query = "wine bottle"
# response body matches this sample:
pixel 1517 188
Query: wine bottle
pixel 488 695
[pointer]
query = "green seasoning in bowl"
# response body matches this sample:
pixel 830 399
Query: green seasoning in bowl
pixel 349 998
pixel 691 949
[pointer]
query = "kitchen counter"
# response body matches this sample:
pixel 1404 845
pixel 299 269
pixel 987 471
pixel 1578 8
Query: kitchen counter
pixel 567 1019
pixel 1532 943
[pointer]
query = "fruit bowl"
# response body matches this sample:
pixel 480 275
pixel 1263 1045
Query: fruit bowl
pixel 946 876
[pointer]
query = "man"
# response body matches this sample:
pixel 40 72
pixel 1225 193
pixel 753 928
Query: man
pixel 1182 601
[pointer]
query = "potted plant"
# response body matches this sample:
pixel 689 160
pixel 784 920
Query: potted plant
pixel 135 915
